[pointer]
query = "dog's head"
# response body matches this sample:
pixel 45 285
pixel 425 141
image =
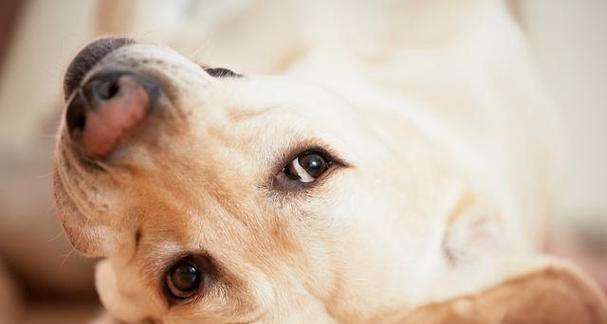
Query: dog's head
pixel 218 197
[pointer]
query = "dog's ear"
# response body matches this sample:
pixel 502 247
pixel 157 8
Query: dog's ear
pixel 554 295
pixel 473 230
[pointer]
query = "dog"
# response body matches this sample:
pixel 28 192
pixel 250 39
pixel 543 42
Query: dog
pixel 411 187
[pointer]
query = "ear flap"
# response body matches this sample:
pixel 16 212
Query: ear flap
pixel 551 296
pixel 473 230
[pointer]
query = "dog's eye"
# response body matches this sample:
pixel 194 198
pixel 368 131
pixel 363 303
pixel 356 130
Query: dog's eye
pixel 307 167
pixel 184 279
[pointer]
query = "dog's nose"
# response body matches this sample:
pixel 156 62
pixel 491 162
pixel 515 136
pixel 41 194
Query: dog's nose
pixel 86 59
pixel 107 109
pixel 110 105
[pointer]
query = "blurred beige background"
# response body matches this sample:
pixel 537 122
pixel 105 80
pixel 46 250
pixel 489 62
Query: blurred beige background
pixel 568 39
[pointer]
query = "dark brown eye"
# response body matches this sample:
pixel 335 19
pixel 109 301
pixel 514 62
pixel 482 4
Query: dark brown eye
pixel 184 279
pixel 307 167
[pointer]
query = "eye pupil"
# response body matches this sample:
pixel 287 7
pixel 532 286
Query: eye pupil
pixel 183 280
pixel 305 169
pixel 314 164
pixel 185 277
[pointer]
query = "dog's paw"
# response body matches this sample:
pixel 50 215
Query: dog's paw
pixel 555 293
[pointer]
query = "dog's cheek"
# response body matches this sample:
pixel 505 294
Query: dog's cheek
pixel 88 237
pixel 121 294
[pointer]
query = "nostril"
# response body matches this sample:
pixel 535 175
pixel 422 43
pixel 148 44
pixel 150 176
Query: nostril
pixel 104 90
pixel 76 115
pixel 87 58
pixel 107 110
pixel 94 93
pixel 97 91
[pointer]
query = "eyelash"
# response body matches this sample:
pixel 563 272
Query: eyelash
pixel 220 72
pixel 277 184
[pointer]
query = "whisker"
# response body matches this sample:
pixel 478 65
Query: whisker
pixel 56 237
pixel 66 256
pixel 196 54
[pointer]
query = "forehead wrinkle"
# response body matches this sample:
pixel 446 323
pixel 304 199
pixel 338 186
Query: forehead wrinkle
pixel 237 114
pixel 234 129
pixel 240 141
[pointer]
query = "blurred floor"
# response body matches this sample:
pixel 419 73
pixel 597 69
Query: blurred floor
pixel 569 40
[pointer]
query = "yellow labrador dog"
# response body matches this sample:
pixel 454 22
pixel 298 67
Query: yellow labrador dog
pixel 411 187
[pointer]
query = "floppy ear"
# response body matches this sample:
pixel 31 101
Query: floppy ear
pixel 553 295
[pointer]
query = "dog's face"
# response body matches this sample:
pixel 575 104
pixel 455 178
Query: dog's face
pixel 224 198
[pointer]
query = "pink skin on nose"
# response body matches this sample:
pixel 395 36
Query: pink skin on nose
pixel 114 120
